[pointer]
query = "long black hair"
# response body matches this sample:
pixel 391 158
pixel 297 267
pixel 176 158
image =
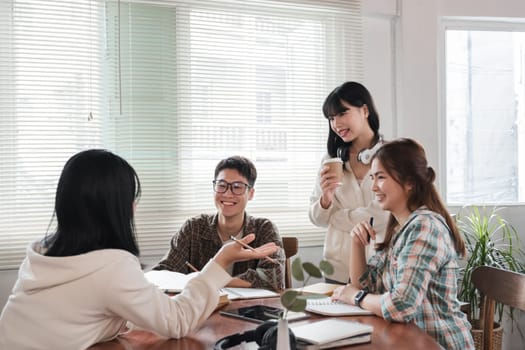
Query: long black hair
pixel 94 205
pixel 355 94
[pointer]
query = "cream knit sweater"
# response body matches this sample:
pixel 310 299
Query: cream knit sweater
pixel 74 302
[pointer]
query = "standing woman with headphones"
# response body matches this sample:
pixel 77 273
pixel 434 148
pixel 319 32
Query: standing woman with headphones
pixel 341 204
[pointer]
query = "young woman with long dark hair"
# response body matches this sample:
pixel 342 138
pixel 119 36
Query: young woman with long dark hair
pixel 413 276
pixel 83 283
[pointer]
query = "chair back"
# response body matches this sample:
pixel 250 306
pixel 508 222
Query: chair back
pixel 497 285
pixel 291 246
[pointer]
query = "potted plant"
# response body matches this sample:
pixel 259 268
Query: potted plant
pixel 490 240
pixel 295 300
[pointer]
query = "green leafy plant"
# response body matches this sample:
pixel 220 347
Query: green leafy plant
pixel 490 240
pixel 295 300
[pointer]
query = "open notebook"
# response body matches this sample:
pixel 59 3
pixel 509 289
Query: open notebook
pixel 327 307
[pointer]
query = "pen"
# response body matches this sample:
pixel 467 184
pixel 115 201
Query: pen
pixel 371 224
pixel 191 266
pixel 252 249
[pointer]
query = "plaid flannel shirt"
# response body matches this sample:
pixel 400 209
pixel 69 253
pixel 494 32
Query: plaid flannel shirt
pixel 197 242
pixel 417 277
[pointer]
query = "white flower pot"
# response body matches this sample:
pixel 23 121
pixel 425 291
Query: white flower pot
pixel 283 339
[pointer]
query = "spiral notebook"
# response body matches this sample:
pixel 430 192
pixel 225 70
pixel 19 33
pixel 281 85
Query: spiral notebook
pixel 327 307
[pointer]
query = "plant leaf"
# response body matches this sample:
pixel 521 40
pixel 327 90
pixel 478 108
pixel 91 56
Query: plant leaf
pixel 297 270
pixel 288 297
pixel 326 267
pixel 298 305
pixel 293 300
pixel 490 240
pixel 312 270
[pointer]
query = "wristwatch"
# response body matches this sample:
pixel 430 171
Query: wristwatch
pixel 360 296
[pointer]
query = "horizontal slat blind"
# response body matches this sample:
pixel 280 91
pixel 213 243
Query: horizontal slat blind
pixel 49 89
pixel 172 86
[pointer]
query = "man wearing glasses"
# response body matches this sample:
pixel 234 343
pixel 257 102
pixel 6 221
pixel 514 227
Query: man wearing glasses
pixel 202 236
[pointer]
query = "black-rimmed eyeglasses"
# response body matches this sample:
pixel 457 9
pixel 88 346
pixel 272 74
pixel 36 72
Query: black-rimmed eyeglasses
pixel 237 187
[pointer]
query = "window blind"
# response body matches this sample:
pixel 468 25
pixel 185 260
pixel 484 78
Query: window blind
pixel 173 87
pixel 50 107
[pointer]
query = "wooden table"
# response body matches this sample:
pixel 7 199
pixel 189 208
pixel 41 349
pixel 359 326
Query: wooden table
pixel 386 335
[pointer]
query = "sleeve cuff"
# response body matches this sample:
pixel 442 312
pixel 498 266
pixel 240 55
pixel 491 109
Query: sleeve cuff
pixel 215 275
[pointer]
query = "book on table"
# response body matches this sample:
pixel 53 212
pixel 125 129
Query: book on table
pixel 330 333
pixel 318 288
pixel 169 281
pixel 175 282
pixel 248 293
pixel 327 307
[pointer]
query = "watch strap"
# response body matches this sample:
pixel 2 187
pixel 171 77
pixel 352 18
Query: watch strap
pixel 360 296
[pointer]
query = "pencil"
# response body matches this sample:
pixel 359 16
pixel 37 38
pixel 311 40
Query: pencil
pixel 191 266
pixel 371 224
pixel 252 249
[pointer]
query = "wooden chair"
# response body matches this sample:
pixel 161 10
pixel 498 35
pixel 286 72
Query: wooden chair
pixel 497 285
pixel 291 246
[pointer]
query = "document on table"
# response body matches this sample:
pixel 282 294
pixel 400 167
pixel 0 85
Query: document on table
pixel 169 281
pixel 248 293
pixel 318 288
pixel 175 282
pixel 327 307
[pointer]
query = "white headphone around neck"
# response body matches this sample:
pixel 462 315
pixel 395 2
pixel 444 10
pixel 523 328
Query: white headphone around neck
pixel 365 155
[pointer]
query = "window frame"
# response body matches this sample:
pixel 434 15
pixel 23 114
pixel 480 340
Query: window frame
pixel 468 24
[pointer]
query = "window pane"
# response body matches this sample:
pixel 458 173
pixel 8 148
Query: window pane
pixel 485 116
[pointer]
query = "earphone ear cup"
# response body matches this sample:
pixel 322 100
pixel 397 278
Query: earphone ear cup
pixel 234 340
pixel 365 156
pixel 261 330
pixel 269 339
pixel 265 335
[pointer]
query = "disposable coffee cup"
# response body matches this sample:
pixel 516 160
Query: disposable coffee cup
pixel 336 167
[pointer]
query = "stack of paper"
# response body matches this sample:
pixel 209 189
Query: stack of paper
pixel 248 293
pixel 175 282
pixel 169 281
pixel 331 333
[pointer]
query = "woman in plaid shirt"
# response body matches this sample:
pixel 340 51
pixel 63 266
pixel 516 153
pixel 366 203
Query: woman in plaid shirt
pixel 413 276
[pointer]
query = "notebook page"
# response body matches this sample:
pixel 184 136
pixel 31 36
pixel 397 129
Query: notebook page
pixel 327 307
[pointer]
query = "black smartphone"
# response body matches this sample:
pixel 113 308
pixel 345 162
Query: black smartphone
pixel 262 313
pixel 255 313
